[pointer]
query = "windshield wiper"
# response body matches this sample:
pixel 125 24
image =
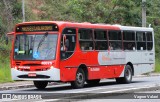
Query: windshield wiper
pixel 25 39
pixel 40 43
pixel 26 44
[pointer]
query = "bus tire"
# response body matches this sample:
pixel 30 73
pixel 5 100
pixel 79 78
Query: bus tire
pixel 127 76
pixel 40 84
pixel 80 79
pixel 93 82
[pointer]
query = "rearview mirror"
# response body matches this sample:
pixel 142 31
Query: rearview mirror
pixel 9 37
pixel 64 40
pixel 6 40
pixel 65 43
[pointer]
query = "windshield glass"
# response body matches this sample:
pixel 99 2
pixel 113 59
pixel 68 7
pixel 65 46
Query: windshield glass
pixel 35 47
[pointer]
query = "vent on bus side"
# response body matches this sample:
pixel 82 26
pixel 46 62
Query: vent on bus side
pixel 18 63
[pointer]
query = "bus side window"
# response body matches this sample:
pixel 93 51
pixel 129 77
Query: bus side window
pixel 149 40
pixel 129 40
pixel 141 40
pixel 85 39
pixel 100 38
pixel 115 39
pixel 68 42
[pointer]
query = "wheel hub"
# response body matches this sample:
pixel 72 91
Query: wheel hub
pixel 128 74
pixel 79 78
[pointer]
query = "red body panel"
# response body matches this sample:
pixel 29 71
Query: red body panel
pixel 95 71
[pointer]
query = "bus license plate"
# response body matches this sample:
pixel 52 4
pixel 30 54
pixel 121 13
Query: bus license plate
pixel 32 74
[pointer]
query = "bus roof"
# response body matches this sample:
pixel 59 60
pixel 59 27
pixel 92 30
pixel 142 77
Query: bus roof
pixel 88 25
pixel 134 28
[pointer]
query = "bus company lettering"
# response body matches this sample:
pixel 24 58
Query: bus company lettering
pixel 24 67
pixel 95 69
pixel 105 58
pixel 46 63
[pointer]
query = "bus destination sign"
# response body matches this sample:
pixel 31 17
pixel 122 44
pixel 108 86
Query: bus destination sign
pixel 36 28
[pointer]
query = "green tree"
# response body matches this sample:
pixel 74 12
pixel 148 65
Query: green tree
pixel 153 18
pixel 10 11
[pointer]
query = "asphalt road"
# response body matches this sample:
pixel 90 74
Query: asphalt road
pixel 107 89
pixel 142 96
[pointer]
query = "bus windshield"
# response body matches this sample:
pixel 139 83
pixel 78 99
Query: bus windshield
pixel 35 46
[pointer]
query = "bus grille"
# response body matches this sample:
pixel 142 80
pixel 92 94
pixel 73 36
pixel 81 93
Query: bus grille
pixel 18 63
pixel 37 76
pixel 43 69
pixel 32 64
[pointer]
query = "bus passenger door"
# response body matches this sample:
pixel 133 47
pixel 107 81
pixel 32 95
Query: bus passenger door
pixel 68 45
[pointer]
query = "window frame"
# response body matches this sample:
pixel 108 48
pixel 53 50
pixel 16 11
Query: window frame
pixel 144 33
pixel 149 41
pixel 129 41
pixel 91 40
pixel 99 40
pixel 120 41
pixel 61 37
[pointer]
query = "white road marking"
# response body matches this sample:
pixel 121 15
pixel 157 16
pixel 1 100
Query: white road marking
pixel 75 91
pixel 87 90
pixel 121 90
pixel 48 100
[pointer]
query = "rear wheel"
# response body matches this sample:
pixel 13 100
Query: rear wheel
pixel 80 79
pixel 40 84
pixel 127 76
pixel 93 82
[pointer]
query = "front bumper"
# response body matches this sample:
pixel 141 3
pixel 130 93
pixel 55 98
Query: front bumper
pixel 52 74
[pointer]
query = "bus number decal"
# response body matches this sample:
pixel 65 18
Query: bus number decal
pixel 46 63
pixel 95 69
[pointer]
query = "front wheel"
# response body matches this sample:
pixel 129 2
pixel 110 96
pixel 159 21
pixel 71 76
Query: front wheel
pixel 127 76
pixel 40 84
pixel 80 79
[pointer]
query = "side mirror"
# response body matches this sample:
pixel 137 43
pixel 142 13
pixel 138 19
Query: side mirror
pixel 9 37
pixel 6 40
pixel 65 44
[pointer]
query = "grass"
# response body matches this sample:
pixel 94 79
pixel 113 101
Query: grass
pixel 5 72
pixel 157 66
